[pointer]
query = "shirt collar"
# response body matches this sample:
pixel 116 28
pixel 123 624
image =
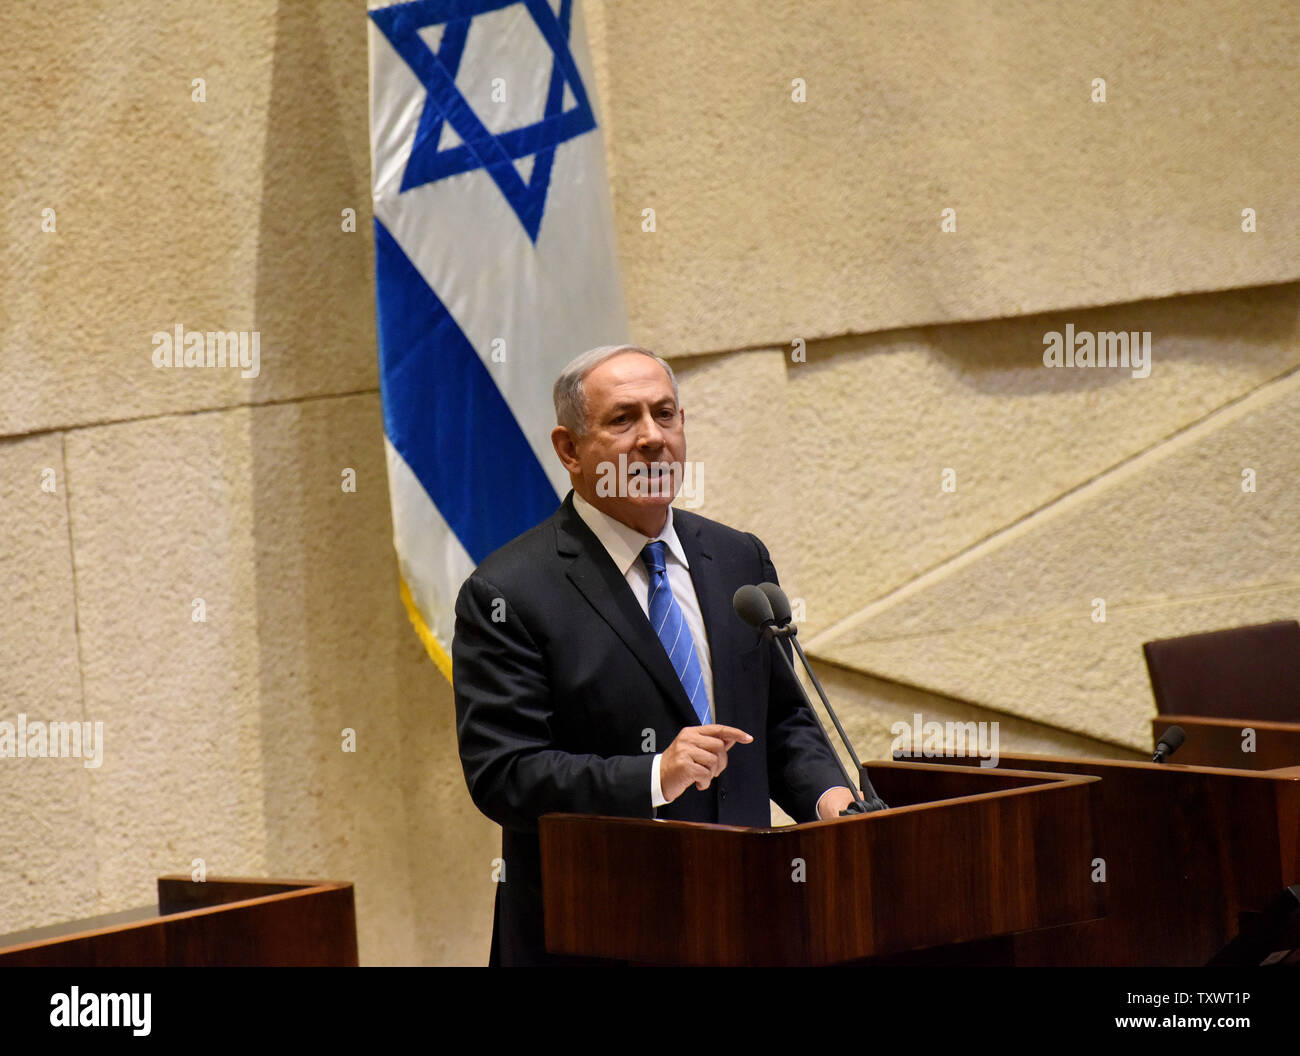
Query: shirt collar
pixel 622 543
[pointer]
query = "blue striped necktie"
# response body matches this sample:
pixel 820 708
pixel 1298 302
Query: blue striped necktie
pixel 669 622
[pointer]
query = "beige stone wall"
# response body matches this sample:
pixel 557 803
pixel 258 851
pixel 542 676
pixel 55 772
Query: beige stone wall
pixel 1069 486
pixel 775 221
pixel 222 738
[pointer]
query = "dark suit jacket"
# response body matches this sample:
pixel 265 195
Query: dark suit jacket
pixel 560 681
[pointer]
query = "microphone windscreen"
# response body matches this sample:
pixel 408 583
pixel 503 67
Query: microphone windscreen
pixel 779 602
pixel 752 606
pixel 1174 738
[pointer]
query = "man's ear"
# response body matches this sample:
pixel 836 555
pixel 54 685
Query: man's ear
pixel 566 447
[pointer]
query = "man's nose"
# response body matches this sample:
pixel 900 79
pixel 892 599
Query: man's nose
pixel 650 435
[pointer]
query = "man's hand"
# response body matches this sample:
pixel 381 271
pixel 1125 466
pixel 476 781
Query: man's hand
pixel 832 802
pixel 697 755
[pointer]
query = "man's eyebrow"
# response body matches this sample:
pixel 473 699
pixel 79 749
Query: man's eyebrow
pixel 631 405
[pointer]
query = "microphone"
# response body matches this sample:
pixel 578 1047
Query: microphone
pixel 752 606
pixel 781 612
pixel 1170 741
pixel 779 602
pixel 767 610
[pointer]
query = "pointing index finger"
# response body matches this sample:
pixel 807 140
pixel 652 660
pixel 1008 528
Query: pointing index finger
pixel 729 734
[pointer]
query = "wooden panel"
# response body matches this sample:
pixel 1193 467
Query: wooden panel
pixel 179 893
pixel 313 927
pixel 298 923
pixel 1219 742
pixel 142 945
pixel 1186 848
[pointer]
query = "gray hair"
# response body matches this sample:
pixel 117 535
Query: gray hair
pixel 571 401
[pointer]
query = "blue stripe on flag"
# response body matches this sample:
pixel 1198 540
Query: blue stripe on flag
pixel 445 416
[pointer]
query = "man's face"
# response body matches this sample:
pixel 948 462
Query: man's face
pixel 629 462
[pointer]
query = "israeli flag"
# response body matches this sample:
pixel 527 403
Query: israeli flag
pixel 495 264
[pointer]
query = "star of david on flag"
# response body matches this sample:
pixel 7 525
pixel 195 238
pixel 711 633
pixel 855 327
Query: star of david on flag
pixel 495 264
pixel 472 144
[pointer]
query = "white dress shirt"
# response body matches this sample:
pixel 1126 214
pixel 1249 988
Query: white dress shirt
pixel 624 546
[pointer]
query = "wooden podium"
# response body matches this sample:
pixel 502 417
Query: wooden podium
pixel 1187 848
pixel 223 921
pixel 962 855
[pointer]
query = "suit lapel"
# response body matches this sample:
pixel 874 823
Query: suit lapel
pixel 593 573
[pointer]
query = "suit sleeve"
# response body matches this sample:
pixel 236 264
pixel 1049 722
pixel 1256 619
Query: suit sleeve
pixel 800 766
pixel 505 725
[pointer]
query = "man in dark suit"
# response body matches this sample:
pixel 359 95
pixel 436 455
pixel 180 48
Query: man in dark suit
pixel 598 665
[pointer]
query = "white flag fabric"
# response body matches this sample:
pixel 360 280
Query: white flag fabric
pixel 495 264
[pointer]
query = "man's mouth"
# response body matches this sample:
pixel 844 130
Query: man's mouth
pixel 650 470
pixel 650 478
